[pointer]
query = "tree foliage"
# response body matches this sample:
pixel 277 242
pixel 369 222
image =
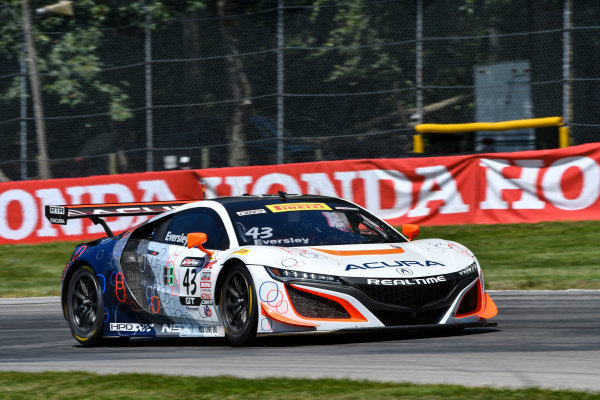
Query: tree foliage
pixel 350 68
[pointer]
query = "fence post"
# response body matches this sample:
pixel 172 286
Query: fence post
pixel 418 139
pixel 419 62
pixel 23 139
pixel 567 106
pixel 280 86
pixel 148 79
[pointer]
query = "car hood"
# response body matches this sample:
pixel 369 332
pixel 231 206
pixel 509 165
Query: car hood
pixel 418 258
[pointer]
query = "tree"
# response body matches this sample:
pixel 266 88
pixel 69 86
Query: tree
pixel 68 63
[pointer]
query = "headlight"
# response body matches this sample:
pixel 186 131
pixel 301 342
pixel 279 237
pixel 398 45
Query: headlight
pixel 286 275
pixel 470 270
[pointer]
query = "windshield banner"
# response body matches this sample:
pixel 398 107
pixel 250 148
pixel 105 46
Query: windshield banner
pixel 531 186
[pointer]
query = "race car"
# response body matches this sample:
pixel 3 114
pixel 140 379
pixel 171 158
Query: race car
pixel 246 266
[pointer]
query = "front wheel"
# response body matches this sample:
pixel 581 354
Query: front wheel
pixel 85 307
pixel 239 310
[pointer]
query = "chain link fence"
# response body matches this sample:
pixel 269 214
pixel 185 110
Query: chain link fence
pixel 292 81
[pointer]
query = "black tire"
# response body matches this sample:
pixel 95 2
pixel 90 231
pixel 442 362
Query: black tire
pixel 85 307
pixel 239 310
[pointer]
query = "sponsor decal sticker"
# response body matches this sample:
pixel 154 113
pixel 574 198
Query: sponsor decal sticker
pixel 407 282
pixel 169 275
pixel 251 212
pixel 469 270
pixel 383 264
pixel 57 210
pixel 297 207
pixel 174 238
pixel 189 301
pixel 281 241
pixel 347 208
pixel 208 329
pixel 129 327
pixel 242 252
pixel 207 311
pixel 192 262
pixel 177 328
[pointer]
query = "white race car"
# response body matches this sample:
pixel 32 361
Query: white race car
pixel 260 265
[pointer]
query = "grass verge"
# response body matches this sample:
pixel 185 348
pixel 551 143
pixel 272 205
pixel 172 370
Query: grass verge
pixel 80 385
pixel 556 255
pixel 33 270
pixel 550 255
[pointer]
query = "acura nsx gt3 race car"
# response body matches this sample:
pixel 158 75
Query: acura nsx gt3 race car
pixel 256 265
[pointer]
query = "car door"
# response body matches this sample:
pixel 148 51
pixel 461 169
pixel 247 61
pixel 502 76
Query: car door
pixel 185 281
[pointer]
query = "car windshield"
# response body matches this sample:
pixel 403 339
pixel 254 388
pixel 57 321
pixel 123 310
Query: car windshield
pixel 301 223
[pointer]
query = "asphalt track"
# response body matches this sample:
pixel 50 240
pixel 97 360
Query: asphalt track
pixel 548 339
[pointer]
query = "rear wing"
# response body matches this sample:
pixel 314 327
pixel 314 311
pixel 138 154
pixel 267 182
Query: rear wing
pixel 95 212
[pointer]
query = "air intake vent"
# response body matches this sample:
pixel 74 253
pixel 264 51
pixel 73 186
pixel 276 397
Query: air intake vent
pixel 310 305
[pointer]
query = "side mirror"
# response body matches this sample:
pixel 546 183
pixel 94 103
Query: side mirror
pixel 197 239
pixel 411 231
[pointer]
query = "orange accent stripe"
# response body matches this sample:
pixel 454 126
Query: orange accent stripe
pixel 148 203
pixel 361 252
pixel 490 308
pixel 268 312
pixel 355 315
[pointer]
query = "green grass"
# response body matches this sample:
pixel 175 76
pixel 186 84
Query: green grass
pixel 551 255
pixel 557 255
pixel 33 270
pixel 79 385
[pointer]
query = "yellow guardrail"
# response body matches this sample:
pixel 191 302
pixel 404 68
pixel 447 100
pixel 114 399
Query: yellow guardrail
pixel 563 131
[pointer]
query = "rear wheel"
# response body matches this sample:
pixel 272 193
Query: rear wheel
pixel 85 307
pixel 238 306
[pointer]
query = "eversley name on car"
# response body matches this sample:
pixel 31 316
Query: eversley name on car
pixel 171 237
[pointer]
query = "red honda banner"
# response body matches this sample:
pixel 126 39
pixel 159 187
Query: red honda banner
pixel 531 186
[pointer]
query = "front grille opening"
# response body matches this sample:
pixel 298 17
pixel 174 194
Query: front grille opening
pixel 309 305
pixel 470 302
pixel 392 318
pixel 408 296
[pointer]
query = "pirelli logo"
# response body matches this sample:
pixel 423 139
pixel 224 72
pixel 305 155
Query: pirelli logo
pixel 297 207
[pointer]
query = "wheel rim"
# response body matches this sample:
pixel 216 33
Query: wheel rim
pixel 236 301
pixel 84 301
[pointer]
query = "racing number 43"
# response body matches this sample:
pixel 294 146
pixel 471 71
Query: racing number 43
pixel 265 232
pixel 189 281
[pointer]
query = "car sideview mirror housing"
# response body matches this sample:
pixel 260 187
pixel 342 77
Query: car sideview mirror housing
pixel 411 231
pixel 197 239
